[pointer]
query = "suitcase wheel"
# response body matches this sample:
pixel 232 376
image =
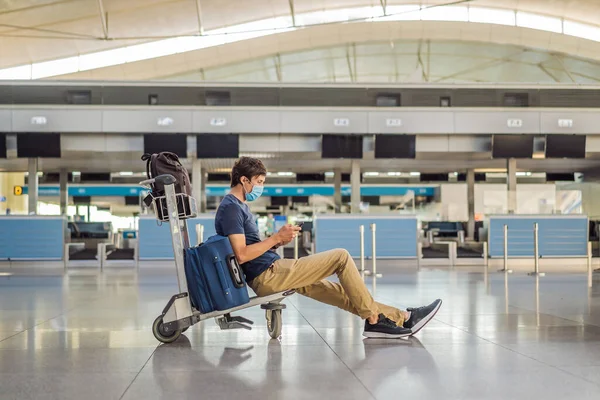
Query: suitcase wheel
pixel 274 323
pixel 162 334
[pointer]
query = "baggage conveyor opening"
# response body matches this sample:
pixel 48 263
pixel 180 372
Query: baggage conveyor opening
pixel 92 245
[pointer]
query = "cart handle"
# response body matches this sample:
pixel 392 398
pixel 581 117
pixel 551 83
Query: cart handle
pixel 165 179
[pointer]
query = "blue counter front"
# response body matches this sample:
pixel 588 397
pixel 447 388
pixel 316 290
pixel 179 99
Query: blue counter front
pixel 396 235
pixel 558 235
pixel 32 237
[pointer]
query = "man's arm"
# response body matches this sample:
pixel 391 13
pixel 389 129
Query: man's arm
pixel 245 253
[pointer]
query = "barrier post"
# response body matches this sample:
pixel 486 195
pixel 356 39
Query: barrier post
pixel 296 247
pixel 453 253
pixel 374 250
pixel 589 264
pixel 362 248
pixel 536 253
pixel 485 254
pixel 200 233
pixel 505 269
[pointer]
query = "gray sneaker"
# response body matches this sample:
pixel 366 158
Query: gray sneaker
pixel 419 317
pixel 385 328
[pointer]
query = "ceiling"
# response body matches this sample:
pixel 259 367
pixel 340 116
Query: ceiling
pixel 413 61
pixel 40 30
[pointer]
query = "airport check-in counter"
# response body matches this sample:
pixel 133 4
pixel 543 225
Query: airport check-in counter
pixel 559 236
pixel 32 238
pixel 396 235
pixel 154 239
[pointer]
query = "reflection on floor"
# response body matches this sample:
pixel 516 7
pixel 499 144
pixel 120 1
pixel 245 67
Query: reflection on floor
pixel 87 335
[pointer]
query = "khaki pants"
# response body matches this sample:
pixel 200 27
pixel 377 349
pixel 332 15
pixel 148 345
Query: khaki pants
pixel 307 275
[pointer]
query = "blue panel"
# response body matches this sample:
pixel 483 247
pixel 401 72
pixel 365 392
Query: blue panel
pixel 155 241
pixel 396 237
pixel 557 236
pixel 222 190
pixel 32 238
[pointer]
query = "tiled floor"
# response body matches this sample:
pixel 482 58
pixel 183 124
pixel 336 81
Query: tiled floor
pixel 87 335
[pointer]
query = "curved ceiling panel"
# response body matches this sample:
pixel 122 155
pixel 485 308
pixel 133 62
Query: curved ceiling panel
pixel 269 50
pixel 77 30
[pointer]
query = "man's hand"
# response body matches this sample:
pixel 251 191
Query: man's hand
pixel 287 233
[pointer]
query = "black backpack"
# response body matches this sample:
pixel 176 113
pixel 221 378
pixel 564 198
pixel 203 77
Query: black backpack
pixel 167 163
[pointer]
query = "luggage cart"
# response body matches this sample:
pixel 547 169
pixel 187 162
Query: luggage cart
pixel 179 314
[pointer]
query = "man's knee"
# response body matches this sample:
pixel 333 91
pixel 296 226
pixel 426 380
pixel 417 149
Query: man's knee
pixel 342 255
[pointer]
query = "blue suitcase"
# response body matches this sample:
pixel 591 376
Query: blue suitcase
pixel 215 279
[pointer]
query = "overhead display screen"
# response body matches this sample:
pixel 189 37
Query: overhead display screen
pixel 342 146
pixel 434 177
pixel 310 177
pixel 2 145
pixel 565 146
pixel 512 146
pixel 560 177
pixel 217 145
pixel 159 142
pixel 42 145
pixel 395 146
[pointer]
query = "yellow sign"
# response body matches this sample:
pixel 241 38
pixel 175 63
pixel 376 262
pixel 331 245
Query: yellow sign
pixel 18 190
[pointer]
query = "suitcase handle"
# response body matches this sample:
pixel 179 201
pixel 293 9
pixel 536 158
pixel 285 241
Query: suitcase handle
pixel 235 271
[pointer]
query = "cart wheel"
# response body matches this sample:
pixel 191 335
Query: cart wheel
pixel 161 335
pixel 274 323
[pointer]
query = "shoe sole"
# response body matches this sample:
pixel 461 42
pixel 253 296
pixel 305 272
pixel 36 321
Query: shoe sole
pixel 425 320
pixel 381 335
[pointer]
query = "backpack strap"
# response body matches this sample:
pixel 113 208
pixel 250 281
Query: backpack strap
pixel 147 157
pixel 153 164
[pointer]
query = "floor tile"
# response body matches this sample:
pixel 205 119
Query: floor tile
pixel 61 386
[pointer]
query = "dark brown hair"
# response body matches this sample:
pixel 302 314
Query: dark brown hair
pixel 248 167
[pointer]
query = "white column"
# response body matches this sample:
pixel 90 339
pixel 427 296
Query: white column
pixel 511 183
pixel 64 191
pixel 471 203
pixel 337 189
pixel 32 185
pixel 355 187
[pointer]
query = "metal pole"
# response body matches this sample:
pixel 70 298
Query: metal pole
pixel 536 252
pixel 200 233
pixel 362 248
pixel 536 248
pixel 485 255
pixel 296 248
pixel 374 250
pixel 589 264
pixel 505 269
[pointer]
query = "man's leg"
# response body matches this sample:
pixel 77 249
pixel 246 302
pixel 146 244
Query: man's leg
pixel 305 275
pixel 296 274
pixel 333 293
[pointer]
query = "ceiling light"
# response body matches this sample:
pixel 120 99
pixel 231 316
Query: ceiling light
pixel 127 173
pixel 371 174
pixel 329 174
pixel 394 173
pixel 415 174
pixel 285 173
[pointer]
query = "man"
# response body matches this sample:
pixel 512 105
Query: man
pixel 266 273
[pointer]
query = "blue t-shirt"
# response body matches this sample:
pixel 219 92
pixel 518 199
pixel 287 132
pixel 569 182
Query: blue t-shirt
pixel 234 216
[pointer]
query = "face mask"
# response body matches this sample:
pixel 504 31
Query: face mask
pixel 255 193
